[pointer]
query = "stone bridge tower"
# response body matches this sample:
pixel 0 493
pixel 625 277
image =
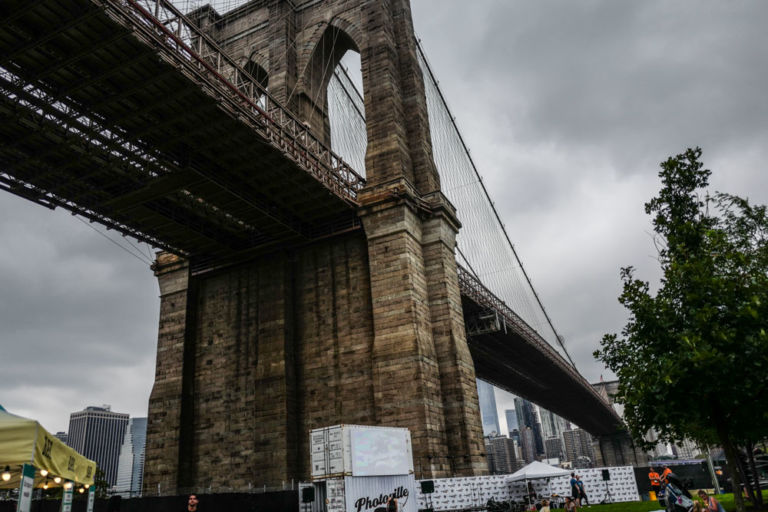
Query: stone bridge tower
pixel 365 327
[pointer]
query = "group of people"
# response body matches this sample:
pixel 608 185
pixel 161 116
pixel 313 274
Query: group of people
pixel 660 481
pixel 572 502
pixel 391 506
pixel 578 496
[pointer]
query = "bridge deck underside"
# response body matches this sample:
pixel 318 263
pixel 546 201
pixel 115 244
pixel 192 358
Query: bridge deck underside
pixel 94 120
pixel 508 360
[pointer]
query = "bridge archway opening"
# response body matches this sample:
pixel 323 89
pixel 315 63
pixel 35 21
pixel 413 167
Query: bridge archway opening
pixel 346 111
pixel 332 103
pixel 261 76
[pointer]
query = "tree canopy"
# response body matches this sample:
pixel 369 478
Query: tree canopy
pixel 692 360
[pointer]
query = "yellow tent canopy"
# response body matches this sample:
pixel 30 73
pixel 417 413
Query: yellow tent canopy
pixel 25 441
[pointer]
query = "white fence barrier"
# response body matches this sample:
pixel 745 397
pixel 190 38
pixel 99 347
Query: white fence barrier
pixel 469 492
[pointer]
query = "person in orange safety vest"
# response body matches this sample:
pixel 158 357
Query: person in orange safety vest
pixel 655 479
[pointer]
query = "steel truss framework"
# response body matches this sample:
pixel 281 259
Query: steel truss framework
pixel 201 55
pixel 109 113
pixel 513 356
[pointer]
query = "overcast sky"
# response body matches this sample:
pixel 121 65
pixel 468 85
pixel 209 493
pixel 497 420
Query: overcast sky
pixel 568 107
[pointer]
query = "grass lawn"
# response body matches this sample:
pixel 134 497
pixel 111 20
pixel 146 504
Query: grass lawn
pixel 632 506
pixel 647 506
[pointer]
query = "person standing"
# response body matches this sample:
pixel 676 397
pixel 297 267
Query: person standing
pixel 531 493
pixel 575 494
pixel 665 475
pixel 655 479
pixel 582 495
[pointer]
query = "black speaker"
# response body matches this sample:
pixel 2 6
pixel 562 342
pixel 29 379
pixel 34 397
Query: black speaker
pixel 308 495
pixel 113 505
pixel 427 486
pixel 606 475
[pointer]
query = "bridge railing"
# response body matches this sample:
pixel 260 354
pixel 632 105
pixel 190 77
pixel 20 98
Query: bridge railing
pixel 160 23
pixel 473 288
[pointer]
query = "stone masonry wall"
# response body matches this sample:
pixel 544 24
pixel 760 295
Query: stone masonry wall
pixel 280 346
pixel 364 328
pixel 165 402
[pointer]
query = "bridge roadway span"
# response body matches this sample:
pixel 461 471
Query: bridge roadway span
pixel 149 129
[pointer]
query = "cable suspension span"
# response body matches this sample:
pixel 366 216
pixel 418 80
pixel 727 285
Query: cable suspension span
pixel 483 244
pixel 433 81
pixel 346 112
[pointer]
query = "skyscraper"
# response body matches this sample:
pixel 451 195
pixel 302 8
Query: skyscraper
pixel 578 443
pixel 527 445
pixel 686 449
pixel 552 425
pixel 512 424
pixel 97 433
pixel 502 452
pixel 553 446
pixel 515 436
pixel 130 468
pixel 526 417
pixel 488 412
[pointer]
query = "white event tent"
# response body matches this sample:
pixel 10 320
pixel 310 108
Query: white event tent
pixel 537 471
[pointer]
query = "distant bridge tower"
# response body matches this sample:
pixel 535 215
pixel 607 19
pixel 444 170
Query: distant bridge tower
pixel 364 327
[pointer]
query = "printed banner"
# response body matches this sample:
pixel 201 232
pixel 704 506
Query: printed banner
pixel 474 492
pixel 91 497
pixel 66 500
pixel 369 493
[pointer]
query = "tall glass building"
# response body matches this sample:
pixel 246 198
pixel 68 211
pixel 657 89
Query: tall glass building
pixel 512 424
pixel 97 433
pixel 527 418
pixel 488 411
pixel 552 425
pixel 130 468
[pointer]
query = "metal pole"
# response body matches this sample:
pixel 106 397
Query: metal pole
pixel 715 483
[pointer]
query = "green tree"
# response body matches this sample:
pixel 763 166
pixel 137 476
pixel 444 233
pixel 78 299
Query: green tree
pixel 692 360
pixel 100 483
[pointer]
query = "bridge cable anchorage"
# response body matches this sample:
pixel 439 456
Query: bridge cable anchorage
pixel 138 256
pixel 469 265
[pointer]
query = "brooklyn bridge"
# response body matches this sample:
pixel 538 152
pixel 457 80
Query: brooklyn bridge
pixel 330 255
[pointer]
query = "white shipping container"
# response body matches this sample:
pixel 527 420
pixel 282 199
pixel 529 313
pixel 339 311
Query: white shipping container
pixel 360 450
pixel 334 489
